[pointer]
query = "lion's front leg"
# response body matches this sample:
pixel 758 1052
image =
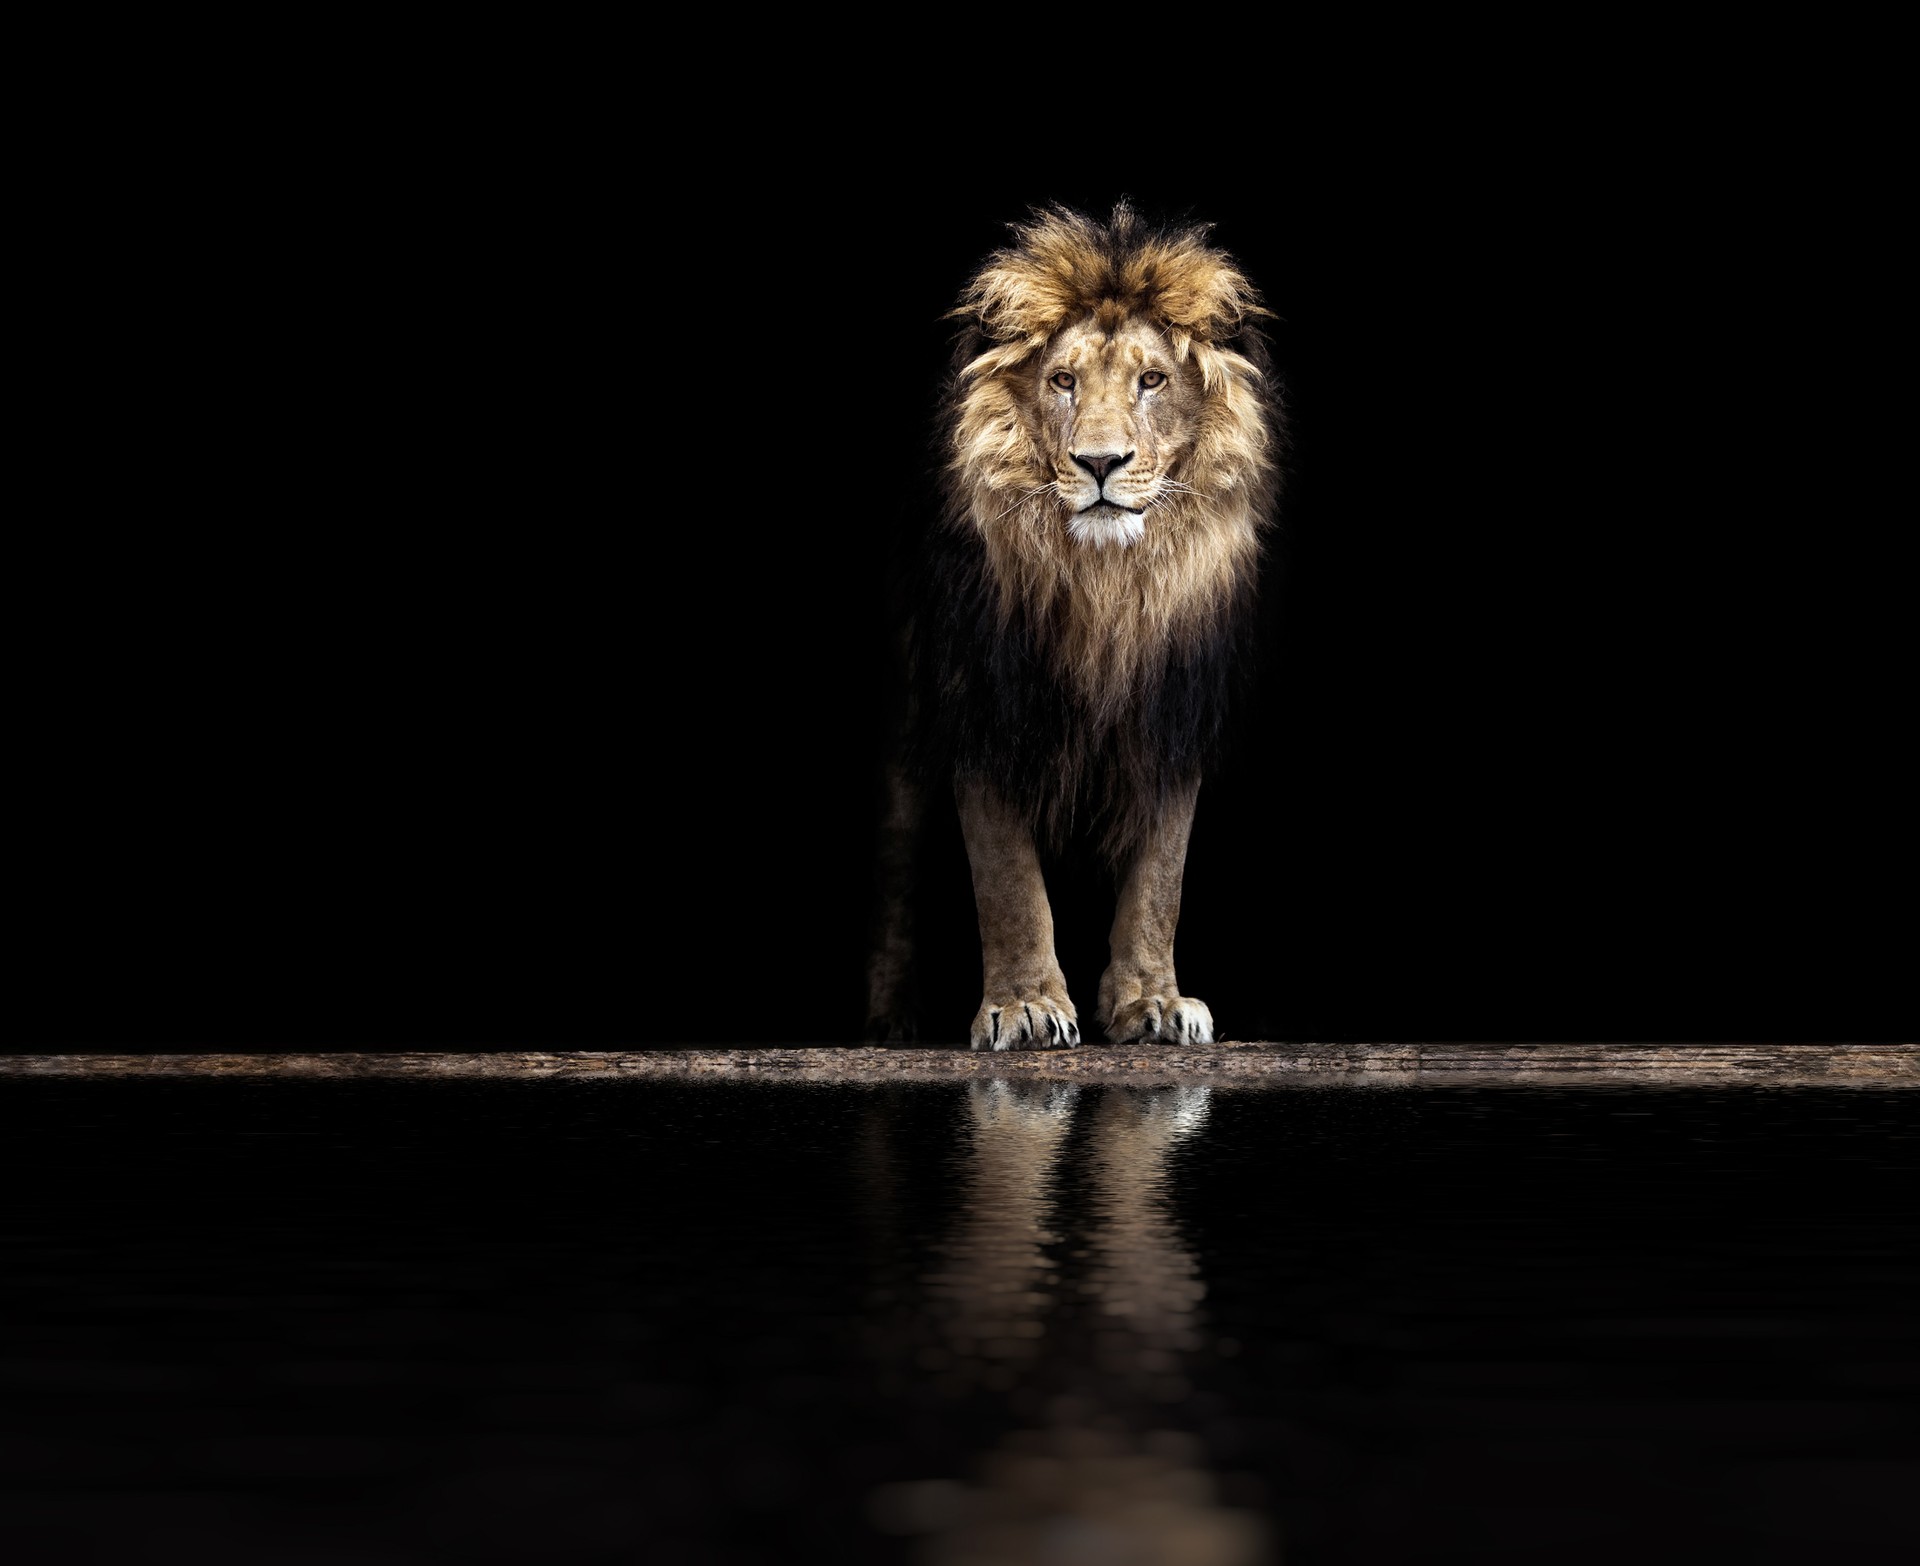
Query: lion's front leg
pixel 1026 1004
pixel 1139 996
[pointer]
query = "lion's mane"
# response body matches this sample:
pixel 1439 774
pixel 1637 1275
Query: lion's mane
pixel 1086 683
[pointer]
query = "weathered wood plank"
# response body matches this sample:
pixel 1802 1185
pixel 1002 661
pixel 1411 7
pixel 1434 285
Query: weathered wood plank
pixel 1383 1065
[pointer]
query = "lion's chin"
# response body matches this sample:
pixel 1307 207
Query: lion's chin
pixel 1104 525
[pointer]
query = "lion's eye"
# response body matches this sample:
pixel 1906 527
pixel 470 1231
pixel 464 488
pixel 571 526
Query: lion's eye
pixel 1061 382
pixel 1152 379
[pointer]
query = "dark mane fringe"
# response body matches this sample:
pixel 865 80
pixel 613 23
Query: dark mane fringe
pixel 987 704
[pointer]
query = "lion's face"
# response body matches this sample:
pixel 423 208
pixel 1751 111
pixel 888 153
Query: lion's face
pixel 1113 412
pixel 1109 389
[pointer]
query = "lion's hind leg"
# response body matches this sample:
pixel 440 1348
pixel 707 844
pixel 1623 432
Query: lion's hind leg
pixel 891 1006
pixel 1026 1005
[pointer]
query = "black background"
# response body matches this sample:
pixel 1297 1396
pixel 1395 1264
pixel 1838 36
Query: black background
pixel 446 615
pixel 467 631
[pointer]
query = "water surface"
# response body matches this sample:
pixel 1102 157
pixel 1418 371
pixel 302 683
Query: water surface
pixel 560 1321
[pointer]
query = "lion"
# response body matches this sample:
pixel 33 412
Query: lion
pixel 1108 456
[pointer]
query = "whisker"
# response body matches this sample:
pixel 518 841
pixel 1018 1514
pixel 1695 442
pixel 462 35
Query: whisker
pixel 1023 499
pixel 1170 488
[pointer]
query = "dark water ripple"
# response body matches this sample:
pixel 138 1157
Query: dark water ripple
pixel 392 1322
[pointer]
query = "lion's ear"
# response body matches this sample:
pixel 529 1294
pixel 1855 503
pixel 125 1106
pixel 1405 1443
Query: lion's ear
pixel 992 358
pixel 1220 367
pixel 1231 310
pixel 1232 331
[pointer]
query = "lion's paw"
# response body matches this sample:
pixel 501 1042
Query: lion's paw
pixel 1163 1019
pixel 1037 1023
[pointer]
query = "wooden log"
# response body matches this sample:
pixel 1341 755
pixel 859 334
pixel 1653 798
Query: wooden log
pixel 1378 1065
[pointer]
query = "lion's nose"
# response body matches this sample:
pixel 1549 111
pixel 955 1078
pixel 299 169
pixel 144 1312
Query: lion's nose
pixel 1101 463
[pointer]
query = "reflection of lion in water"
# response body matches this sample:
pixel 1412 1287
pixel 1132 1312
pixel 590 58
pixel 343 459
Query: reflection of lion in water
pixel 1110 437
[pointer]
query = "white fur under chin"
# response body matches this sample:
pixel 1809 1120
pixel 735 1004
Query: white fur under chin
pixel 1119 528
